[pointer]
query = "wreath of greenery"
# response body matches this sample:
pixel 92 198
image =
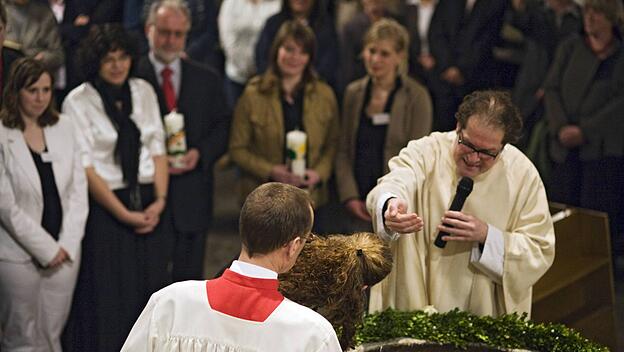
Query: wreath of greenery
pixel 461 329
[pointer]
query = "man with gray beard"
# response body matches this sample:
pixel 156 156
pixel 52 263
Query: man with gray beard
pixel 195 92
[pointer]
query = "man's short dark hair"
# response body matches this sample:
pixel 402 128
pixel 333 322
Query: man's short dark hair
pixel 494 108
pixel 273 215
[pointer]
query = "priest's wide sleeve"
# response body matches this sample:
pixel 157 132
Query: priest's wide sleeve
pixel 529 246
pixel 407 171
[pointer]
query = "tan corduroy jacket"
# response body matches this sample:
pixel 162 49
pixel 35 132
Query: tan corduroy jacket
pixel 257 135
pixel 410 118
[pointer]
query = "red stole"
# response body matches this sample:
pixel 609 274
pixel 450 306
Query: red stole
pixel 244 297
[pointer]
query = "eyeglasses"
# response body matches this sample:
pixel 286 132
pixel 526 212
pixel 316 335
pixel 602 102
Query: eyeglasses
pixel 166 33
pixel 481 153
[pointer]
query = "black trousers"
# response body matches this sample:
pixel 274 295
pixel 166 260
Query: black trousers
pixel 120 270
pixel 188 256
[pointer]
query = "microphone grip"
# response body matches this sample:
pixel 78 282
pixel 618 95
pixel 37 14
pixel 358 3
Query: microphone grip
pixel 458 203
pixel 439 242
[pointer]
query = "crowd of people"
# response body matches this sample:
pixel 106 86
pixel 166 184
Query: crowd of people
pixel 97 214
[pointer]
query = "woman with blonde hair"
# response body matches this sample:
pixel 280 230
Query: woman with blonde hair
pixel 289 96
pixel 382 112
pixel 332 274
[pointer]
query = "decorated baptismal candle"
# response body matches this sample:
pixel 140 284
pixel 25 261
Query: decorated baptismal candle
pixel 296 152
pixel 176 138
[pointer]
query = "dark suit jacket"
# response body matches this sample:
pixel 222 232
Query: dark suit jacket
pixel 575 93
pixel 206 121
pixel 466 41
pixel 8 57
pixel 411 23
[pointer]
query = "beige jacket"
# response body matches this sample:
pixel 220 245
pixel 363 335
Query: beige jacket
pixel 257 135
pixel 410 118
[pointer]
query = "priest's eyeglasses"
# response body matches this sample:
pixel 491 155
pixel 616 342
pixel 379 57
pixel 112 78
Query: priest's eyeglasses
pixel 481 153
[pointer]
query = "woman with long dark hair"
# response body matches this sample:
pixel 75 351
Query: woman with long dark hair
pixel 289 96
pixel 314 14
pixel 43 210
pixel 126 248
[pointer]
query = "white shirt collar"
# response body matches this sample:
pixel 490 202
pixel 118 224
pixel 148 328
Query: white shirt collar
pixel 252 270
pixel 175 66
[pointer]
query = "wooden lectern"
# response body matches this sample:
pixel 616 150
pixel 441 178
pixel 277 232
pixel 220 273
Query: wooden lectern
pixel 578 289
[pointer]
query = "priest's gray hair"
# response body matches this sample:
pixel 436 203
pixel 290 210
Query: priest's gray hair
pixel 179 5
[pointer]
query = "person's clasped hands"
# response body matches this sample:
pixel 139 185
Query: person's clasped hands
pixel 281 173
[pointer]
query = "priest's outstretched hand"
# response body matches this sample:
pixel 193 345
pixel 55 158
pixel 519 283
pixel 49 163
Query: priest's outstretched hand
pixel 397 219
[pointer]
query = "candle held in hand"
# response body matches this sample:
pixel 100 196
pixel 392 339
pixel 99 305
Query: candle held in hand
pixel 176 138
pixel 296 148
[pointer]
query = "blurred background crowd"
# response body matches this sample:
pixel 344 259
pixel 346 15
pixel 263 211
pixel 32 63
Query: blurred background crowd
pixel 360 78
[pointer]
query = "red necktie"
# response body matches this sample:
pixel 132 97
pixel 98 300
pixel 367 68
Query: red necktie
pixel 167 87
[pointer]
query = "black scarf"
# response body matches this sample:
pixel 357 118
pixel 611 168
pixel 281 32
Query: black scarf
pixel 118 106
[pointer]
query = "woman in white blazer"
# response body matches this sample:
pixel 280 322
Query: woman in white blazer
pixel 43 210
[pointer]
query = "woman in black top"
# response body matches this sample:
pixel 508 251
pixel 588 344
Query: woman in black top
pixel 382 112
pixel 43 209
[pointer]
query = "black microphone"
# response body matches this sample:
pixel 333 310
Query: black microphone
pixel 463 190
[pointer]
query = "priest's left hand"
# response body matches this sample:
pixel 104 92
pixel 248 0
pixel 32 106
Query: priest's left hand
pixel 466 228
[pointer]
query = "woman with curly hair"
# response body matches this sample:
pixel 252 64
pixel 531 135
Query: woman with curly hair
pixel 126 247
pixel 332 274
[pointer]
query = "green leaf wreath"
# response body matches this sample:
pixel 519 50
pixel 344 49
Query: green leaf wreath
pixel 460 329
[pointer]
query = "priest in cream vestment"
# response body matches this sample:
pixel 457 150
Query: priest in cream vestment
pixel 502 241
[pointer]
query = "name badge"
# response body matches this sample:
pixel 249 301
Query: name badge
pixel 381 119
pixel 48 157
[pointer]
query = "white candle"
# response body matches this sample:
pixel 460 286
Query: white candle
pixel 176 137
pixel 296 148
pixel 174 122
pixel 298 167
